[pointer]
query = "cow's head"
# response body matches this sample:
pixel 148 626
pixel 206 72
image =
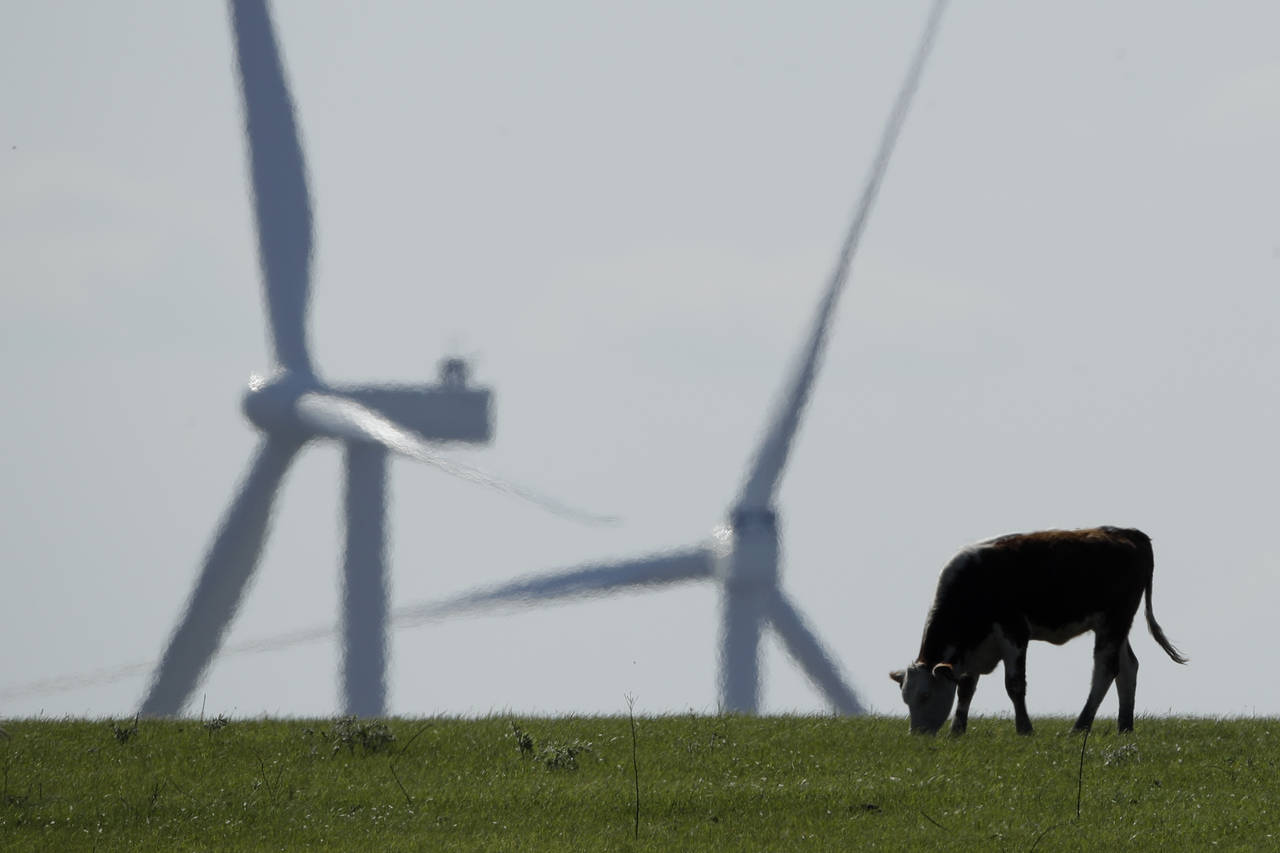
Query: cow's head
pixel 928 693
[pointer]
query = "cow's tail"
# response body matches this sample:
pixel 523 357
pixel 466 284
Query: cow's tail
pixel 1144 547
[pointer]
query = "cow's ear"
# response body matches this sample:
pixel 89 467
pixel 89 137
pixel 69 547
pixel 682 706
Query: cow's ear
pixel 898 675
pixel 944 670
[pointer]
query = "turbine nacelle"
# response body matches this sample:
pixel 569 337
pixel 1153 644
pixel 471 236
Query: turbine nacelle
pixel 750 556
pixel 286 404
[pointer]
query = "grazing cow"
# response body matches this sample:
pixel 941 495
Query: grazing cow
pixel 996 596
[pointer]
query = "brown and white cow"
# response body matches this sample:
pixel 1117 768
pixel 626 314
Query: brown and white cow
pixel 996 596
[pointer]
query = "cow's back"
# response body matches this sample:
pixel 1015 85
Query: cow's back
pixel 1059 577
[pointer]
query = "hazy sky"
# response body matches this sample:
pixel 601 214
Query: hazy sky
pixel 1062 315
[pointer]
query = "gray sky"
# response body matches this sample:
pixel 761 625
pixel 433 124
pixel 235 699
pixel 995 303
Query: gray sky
pixel 1062 315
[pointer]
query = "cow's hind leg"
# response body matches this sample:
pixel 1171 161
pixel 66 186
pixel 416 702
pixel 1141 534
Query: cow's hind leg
pixel 1126 686
pixel 964 695
pixel 1106 664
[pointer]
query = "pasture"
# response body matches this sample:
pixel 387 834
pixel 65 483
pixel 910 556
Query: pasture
pixel 704 783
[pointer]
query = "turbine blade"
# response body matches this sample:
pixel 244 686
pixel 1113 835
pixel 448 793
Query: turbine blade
pixel 655 570
pixel 598 579
pixel 282 204
pixel 658 570
pixel 803 645
pixel 766 470
pixel 341 417
pixel 230 562
pixel 67 683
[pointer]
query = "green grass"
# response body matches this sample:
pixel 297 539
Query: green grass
pixel 706 783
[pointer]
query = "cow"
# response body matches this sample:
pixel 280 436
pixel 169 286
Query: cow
pixel 1053 585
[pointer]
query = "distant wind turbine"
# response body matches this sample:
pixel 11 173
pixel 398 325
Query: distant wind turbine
pixel 295 406
pixel 742 556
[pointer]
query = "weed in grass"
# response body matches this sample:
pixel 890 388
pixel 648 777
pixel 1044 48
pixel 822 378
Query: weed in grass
pixel 563 756
pixel 523 740
pixel 217 724
pixel 265 781
pixel 635 757
pixel 370 735
pixel 1122 754
pixel 1080 778
pixel 391 764
pixel 554 756
pixel 123 733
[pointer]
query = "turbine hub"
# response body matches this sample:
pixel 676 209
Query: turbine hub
pixel 269 401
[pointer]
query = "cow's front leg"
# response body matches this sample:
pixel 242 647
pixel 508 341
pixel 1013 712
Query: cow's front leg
pixel 1015 682
pixel 964 695
pixel 1106 663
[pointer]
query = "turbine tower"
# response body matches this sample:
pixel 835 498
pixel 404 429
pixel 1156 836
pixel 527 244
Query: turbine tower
pixel 742 556
pixel 294 406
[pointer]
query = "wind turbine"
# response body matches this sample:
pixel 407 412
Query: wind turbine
pixel 295 406
pixel 743 554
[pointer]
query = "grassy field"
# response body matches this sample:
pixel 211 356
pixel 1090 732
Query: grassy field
pixel 705 783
